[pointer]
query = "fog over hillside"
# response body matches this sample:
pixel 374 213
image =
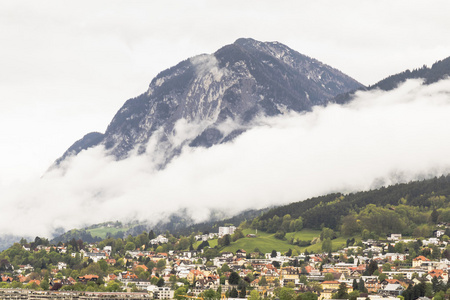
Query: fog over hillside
pixel 379 138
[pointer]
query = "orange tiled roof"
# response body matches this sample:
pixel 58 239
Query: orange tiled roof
pixel 421 257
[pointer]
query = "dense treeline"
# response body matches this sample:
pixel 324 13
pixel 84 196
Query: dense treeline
pixel 439 70
pixel 328 211
pixel 76 234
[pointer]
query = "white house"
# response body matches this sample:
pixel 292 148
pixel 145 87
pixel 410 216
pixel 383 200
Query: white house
pixel 394 237
pixel 160 239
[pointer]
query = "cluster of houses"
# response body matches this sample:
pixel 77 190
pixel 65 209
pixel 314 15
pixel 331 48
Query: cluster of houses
pixel 315 273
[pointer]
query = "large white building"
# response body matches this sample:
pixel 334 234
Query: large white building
pixel 160 292
pixel 226 230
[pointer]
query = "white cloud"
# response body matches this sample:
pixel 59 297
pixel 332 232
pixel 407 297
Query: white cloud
pixel 380 137
pixel 66 68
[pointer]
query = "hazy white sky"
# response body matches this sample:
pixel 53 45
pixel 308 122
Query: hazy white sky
pixel 67 66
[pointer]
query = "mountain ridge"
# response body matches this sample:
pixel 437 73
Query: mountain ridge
pixel 237 83
pixel 439 70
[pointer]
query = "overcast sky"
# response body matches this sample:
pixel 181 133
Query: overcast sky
pixel 66 67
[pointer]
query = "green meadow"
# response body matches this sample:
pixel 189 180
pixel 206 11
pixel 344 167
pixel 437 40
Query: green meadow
pixel 102 232
pixel 266 242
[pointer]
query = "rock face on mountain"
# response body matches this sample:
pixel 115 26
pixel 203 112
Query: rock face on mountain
pixel 234 85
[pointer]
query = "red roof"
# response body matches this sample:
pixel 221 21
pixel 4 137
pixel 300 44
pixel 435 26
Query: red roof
pixel 420 257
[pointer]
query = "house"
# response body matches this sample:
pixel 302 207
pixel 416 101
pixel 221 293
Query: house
pixel 127 276
pixel 418 261
pixel 107 250
pixel 160 239
pixel 62 265
pixel 194 275
pixel 330 285
pixel 208 282
pixel 327 294
pixel 438 233
pixel 395 256
pixel 86 278
pixel 6 279
pixel 142 285
pixel 394 237
pixel 110 277
pixel 241 253
pixel 160 292
pixel 439 274
pixel 227 254
pixel 391 290
pixel 37 282
pixel 143 267
pixel 96 256
pixel 289 274
pixel 371 283
pixel 431 241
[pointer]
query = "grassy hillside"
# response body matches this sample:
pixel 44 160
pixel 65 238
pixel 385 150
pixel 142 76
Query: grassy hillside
pixel 266 242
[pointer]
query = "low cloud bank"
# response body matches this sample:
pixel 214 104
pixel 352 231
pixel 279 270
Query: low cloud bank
pixel 379 138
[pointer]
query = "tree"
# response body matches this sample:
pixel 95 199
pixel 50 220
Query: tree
pixel 234 278
pixel 130 246
pixel 263 281
pixel 203 245
pixel 237 235
pixel 327 233
pixel 372 267
pixel 103 265
pixel 225 267
pixel 209 294
pixel 386 267
pixel 234 293
pixel 254 295
pixel 161 264
pixel 224 241
pixel 273 254
pixel 286 294
pixel 350 226
pixel 280 234
pixel 303 279
pixel 434 216
pixel 160 282
pixel 113 286
pixel 382 277
pixel 355 284
pixel 361 286
pixel 342 292
pixel 289 252
pixel 44 284
pixel 308 296
pixel 242 291
pixel 353 295
pixel 183 243
pixel 327 245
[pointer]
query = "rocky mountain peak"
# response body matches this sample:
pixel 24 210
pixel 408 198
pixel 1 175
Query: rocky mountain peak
pixel 236 84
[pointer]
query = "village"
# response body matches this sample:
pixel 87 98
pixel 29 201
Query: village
pixel 370 269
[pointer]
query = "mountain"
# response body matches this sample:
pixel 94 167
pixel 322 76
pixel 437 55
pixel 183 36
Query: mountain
pixel 439 70
pixel 219 95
